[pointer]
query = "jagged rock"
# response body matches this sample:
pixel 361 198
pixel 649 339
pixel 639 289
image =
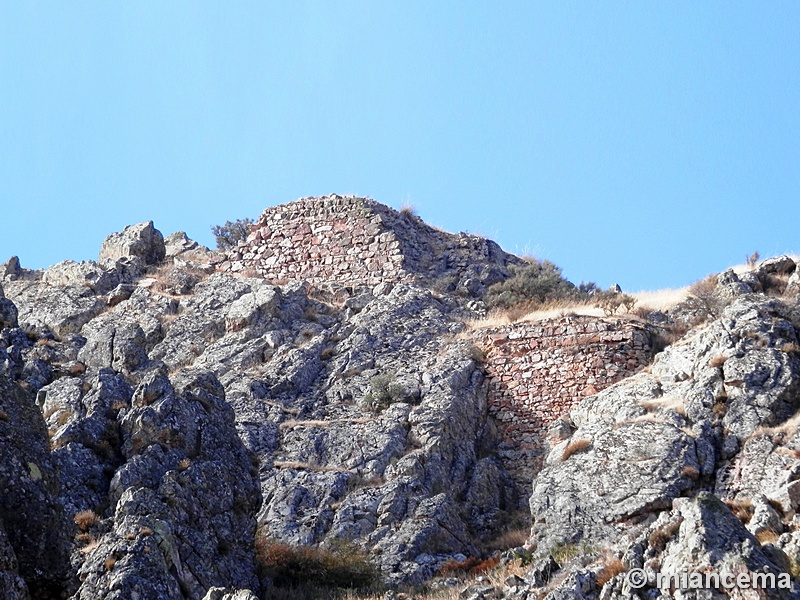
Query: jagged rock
pixel 10 269
pixel 793 285
pixel 141 241
pixel 34 543
pixel 765 518
pixel 114 342
pixel 69 273
pixel 712 539
pixel 178 243
pixel 184 501
pixel 62 310
pixel 778 265
pixel 8 313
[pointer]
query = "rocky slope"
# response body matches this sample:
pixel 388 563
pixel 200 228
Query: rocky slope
pixel 160 413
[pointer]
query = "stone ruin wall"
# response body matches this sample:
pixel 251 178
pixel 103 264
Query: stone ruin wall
pixel 355 241
pixel 538 371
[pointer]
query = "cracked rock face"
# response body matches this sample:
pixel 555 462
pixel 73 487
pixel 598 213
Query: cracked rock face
pixel 182 418
pixel 158 417
pixel 634 471
pixel 34 546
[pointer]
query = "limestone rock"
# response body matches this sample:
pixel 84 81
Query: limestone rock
pixel 142 241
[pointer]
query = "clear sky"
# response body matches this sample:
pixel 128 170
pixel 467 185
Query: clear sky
pixel 643 143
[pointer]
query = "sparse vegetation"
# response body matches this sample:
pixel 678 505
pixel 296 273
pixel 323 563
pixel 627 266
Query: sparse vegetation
pixel 85 519
pixel 231 233
pixel 575 446
pixel 564 553
pixel 384 392
pixel 535 282
pixel 341 565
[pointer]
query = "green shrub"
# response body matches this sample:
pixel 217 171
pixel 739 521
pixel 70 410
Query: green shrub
pixel 231 233
pixel 384 391
pixel 612 301
pixel 340 566
pixel 537 281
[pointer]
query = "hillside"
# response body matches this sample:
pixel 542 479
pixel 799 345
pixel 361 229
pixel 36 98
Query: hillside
pixel 182 423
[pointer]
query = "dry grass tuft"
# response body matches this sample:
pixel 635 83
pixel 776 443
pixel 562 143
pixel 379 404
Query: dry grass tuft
pixel 690 472
pixel 93 543
pixel 717 361
pixel 668 402
pixel 611 568
pixel 85 519
pixel 659 538
pixel 743 509
pixel 110 562
pixel 306 466
pixel 575 446
pixel 767 536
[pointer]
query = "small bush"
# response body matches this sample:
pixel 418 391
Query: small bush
pixel 231 233
pixel 341 566
pixel 384 391
pixel 537 281
pixel 612 301
pixel 704 299
pixel 85 519
pixel 611 569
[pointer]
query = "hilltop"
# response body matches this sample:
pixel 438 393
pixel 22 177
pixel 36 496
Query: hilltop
pixel 328 403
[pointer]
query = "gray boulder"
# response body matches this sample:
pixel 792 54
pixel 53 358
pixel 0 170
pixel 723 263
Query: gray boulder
pixel 142 241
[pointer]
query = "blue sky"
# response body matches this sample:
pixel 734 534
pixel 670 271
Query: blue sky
pixel 644 143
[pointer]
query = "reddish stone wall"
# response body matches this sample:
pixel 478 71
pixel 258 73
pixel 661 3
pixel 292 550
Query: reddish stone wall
pixel 537 371
pixel 357 241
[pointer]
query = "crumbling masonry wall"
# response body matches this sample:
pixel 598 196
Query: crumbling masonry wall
pixel 537 371
pixel 357 241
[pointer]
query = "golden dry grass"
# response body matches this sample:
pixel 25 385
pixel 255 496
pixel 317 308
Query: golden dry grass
pixel 667 402
pixel 575 446
pixel 85 519
pixel 293 423
pixel 306 466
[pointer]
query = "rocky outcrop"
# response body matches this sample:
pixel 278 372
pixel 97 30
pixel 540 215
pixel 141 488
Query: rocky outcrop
pixel 320 388
pixel 714 412
pixel 142 242
pixel 183 503
pixel 34 546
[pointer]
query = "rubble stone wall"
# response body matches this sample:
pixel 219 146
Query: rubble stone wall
pixel 537 371
pixel 349 240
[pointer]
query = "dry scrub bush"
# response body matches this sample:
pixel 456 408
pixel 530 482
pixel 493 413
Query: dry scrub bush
pixel 85 519
pixel 611 568
pixel 340 566
pixel 537 281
